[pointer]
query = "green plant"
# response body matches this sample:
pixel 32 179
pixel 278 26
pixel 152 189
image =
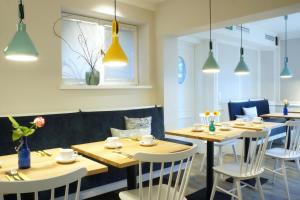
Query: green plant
pixel 24 131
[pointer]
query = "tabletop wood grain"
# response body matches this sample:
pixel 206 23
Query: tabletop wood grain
pixel 97 151
pixel 43 167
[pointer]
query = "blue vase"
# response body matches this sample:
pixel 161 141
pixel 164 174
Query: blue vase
pixel 24 154
pixel 285 110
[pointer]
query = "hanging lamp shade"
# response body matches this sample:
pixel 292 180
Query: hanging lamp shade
pixel 211 65
pixel 115 56
pixel 21 47
pixel 286 72
pixel 241 68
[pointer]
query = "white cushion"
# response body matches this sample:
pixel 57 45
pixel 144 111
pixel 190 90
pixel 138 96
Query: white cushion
pixel 138 123
pixel 133 133
pixel 250 112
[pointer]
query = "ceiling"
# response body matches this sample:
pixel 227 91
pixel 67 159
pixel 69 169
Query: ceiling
pixel 277 25
pixel 146 4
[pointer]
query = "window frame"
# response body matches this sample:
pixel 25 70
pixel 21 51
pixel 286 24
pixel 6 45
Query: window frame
pixel 107 23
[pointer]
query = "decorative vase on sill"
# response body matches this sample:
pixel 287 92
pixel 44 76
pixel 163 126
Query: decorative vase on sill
pixel 285 110
pixel 212 127
pixel 24 154
pixel 92 77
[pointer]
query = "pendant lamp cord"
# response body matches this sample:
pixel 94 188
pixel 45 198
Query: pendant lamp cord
pixel 242 49
pixel 21 11
pixel 210 42
pixel 286 18
pixel 115 6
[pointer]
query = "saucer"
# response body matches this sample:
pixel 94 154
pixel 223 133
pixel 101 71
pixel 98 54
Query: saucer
pixel 113 146
pixel 142 143
pixel 198 130
pixel 225 128
pixel 66 161
pixel 257 122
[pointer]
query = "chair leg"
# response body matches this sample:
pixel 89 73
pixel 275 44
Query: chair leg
pixel 214 189
pixel 259 187
pixel 298 165
pixel 238 189
pixel 203 162
pixel 274 168
pixel 234 152
pixel 283 168
pixel 220 156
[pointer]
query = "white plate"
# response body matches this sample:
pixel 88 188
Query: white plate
pixel 225 128
pixel 240 123
pixel 64 161
pixel 113 146
pixel 147 144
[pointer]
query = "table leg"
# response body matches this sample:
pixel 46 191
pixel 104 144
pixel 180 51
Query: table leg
pixel 131 177
pixel 210 171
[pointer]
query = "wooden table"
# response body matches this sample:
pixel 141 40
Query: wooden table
pixel 219 136
pixel 43 167
pixel 290 116
pixel 97 151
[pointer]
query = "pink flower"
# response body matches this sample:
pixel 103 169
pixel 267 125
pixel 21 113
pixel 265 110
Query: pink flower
pixel 39 122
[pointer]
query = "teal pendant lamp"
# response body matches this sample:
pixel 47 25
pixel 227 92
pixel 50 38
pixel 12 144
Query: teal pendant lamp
pixel 241 68
pixel 21 47
pixel 286 71
pixel 211 65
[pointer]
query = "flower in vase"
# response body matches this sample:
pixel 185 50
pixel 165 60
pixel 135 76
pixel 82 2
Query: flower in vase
pixel 216 113
pixel 39 122
pixel 286 103
pixel 207 114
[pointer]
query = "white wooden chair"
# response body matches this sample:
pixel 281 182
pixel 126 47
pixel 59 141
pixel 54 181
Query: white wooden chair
pixel 219 145
pixel 163 191
pixel 289 152
pixel 252 168
pixel 22 187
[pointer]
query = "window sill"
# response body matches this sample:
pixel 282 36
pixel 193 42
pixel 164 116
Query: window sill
pixel 104 87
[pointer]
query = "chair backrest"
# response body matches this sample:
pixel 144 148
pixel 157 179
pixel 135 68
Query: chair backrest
pixel 185 160
pixel 292 142
pixel 251 162
pixel 22 187
pixel 205 121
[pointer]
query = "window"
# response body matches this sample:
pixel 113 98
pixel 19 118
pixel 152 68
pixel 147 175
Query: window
pixel 87 36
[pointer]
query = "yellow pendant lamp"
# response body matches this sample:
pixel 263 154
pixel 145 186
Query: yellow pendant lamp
pixel 115 56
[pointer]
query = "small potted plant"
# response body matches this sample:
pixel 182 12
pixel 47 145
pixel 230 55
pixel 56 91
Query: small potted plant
pixel 20 133
pixel 285 107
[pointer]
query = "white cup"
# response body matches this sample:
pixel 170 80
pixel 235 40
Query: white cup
pixel 258 119
pixel 148 139
pixel 67 154
pixel 240 120
pixel 197 127
pixel 112 141
pixel 225 126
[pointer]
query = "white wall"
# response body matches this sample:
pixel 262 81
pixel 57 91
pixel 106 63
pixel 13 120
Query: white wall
pixel 179 98
pixel 289 88
pixel 35 87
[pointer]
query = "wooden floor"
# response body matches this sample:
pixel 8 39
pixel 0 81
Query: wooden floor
pixel 272 191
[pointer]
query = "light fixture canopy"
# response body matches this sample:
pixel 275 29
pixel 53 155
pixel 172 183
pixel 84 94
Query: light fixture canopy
pixel 211 65
pixel 241 68
pixel 115 56
pixel 21 47
pixel 286 71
